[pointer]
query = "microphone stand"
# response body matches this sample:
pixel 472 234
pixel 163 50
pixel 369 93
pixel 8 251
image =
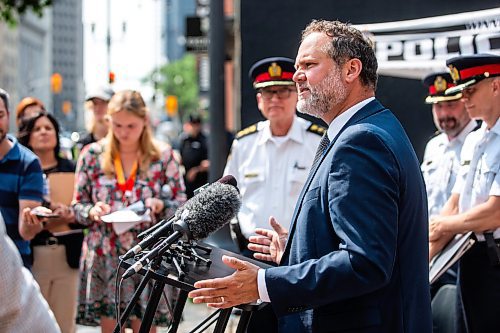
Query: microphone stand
pixel 207 322
pixel 148 276
pixel 244 321
pixel 179 307
pixel 156 293
pixel 224 315
pixel 154 299
pixel 183 259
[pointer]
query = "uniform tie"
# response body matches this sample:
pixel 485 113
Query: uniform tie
pixel 323 144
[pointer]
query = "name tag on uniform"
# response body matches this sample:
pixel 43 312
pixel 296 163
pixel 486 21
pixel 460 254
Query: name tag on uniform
pixel 298 167
pixel 251 175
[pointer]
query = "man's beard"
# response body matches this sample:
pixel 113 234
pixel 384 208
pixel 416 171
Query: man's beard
pixel 324 97
pixel 450 125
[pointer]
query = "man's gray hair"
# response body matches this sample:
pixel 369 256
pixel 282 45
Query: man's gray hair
pixel 5 97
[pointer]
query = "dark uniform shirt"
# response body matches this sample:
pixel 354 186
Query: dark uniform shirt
pixel 194 150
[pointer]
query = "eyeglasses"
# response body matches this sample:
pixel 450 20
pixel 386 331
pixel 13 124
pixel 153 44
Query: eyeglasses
pixel 281 93
pixel 471 90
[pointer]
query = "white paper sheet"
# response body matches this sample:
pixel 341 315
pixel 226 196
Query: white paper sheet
pixel 125 219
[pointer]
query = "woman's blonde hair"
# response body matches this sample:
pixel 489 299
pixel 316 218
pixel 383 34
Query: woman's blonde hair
pixel 129 101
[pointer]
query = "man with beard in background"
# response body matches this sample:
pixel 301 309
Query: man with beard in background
pixel 439 168
pixel 442 153
pixel 475 201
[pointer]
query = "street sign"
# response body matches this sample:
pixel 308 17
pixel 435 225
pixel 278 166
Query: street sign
pixel 196 35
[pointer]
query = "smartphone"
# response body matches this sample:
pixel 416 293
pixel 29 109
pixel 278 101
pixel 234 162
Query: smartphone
pixel 42 212
pixel 46 215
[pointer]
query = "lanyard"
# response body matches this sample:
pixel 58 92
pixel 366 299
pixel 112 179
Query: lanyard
pixel 125 186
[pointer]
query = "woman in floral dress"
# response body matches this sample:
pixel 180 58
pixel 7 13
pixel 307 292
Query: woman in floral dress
pixel 125 167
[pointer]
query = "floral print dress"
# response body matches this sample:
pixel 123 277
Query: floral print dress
pixel 102 246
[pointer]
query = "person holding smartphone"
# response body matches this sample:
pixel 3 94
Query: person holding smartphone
pixel 21 185
pixel 57 248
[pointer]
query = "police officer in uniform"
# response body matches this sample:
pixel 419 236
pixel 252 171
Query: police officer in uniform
pixel 442 153
pixel 271 161
pixel 475 202
pixel 272 156
pixel 194 153
pixel 439 168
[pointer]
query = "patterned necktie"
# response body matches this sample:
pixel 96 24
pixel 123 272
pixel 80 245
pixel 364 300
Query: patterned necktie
pixel 323 144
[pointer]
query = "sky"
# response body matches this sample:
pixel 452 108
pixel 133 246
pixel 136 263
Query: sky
pixel 135 52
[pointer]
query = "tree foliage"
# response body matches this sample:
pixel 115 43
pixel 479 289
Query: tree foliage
pixel 10 9
pixel 180 78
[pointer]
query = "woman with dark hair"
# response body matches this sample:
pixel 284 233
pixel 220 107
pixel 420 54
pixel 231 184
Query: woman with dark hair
pixel 27 108
pixel 56 249
pixel 41 134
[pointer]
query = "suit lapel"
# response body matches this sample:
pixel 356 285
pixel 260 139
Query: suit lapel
pixel 368 110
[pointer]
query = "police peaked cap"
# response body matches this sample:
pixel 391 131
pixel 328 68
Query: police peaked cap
pixel 437 83
pixel 469 70
pixel 276 71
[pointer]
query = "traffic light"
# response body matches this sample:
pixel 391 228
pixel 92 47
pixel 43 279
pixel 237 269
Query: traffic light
pixel 111 77
pixel 171 105
pixel 66 107
pixel 56 83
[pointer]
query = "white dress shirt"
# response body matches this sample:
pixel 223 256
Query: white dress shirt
pixel 440 167
pixel 271 172
pixel 479 176
pixel 333 129
pixel 22 306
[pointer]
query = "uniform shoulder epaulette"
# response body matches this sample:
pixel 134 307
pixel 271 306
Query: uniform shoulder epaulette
pixel 435 134
pixel 246 131
pixel 316 129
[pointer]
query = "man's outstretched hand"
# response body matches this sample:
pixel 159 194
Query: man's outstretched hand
pixel 237 288
pixel 269 245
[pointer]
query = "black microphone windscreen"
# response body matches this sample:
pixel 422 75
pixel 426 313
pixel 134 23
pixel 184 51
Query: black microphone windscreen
pixel 210 210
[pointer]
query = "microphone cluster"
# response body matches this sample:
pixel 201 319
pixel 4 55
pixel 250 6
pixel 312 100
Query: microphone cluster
pixel 205 213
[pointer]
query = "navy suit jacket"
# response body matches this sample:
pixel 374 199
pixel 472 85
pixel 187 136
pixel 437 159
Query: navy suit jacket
pixel 357 254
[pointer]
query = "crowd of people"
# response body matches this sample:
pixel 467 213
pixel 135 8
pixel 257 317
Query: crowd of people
pixel 355 218
pixel 71 252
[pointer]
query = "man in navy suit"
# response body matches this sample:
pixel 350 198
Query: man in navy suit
pixel 355 259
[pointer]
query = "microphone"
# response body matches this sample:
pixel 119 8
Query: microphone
pixel 166 195
pixel 154 253
pixel 200 216
pixel 148 231
pixel 162 229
